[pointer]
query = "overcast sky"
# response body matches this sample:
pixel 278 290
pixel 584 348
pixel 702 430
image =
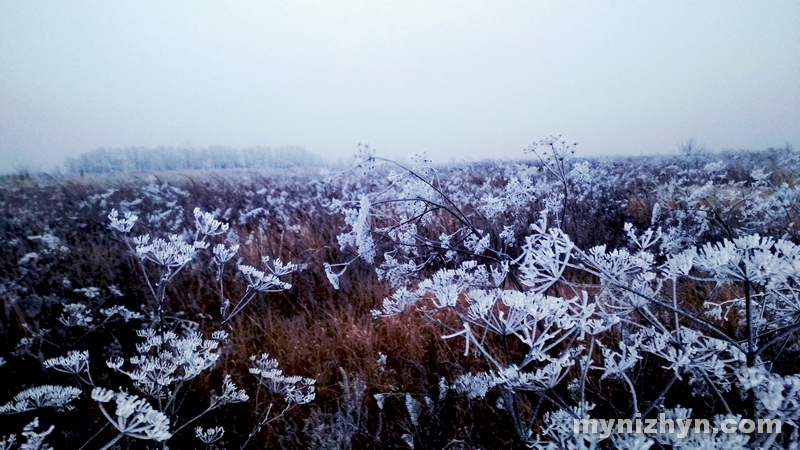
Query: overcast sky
pixel 460 79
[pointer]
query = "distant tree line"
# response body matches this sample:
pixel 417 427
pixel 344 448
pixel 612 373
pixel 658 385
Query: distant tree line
pixel 145 159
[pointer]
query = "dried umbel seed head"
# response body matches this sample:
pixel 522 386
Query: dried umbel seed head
pixel 123 225
pixel 133 416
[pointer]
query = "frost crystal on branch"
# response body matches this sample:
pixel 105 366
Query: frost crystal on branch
pixel 332 276
pixel 397 303
pixel 475 385
pixel 414 408
pixel 366 248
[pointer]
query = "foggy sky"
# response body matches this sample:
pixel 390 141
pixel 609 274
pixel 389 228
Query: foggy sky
pixel 458 79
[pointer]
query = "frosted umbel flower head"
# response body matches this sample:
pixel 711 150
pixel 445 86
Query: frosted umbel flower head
pixel 296 390
pixel 207 224
pixel 133 416
pixel 268 282
pixel 165 359
pixel 173 253
pixel 74 362
pixel 223 254
pixel 209 435
pixel 41 397
pixel 124 224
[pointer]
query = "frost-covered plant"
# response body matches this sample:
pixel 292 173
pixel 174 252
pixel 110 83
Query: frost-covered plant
pixel 34 440
pixel 75 315
pixel 707 201
pixel 769 272
pixel 339 429
pixel 292 390
pixel 44 396
pixel 165 361
pixel 73 362
pixel 576 315
pixel 171 355
pixel 555 154
pixel 296 390
pixel 259 281
pixel 172 352
pixel 123 225
pixel 133 416
pixel 209 435
pixel 573 331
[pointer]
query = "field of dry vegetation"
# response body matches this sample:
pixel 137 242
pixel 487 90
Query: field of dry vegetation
pixel 312 258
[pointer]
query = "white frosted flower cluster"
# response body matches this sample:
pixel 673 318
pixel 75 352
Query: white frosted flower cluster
pixel 133 416
pixel 394 271
pixel 702 357
pixel 553 149
pixel 541 379
pixel 75 314
pixel 617 363
pixel 475 385
pixel 778 395
pixel 207 224
pixel 447 285
pixel 751 258
pixel 167 358
pixel 172 253
pixel 223 254
pixel 209 435
pixel 619 264
pixel 502 311
pixel 558 428
pixel 230 393
pixel 511 377
pixel 74 362
pixel 41 397
pixel 34 440
pixel 546 254
pixel 295 389
pixel 119 310
pixel 124 224
pixel 396 303
pixel 268 282
pixel 88 292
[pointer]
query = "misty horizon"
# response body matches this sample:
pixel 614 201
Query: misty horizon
pixel 460 81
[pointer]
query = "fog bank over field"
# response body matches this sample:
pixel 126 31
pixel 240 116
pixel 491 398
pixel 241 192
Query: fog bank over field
pixel 456 79
pixel 136 159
